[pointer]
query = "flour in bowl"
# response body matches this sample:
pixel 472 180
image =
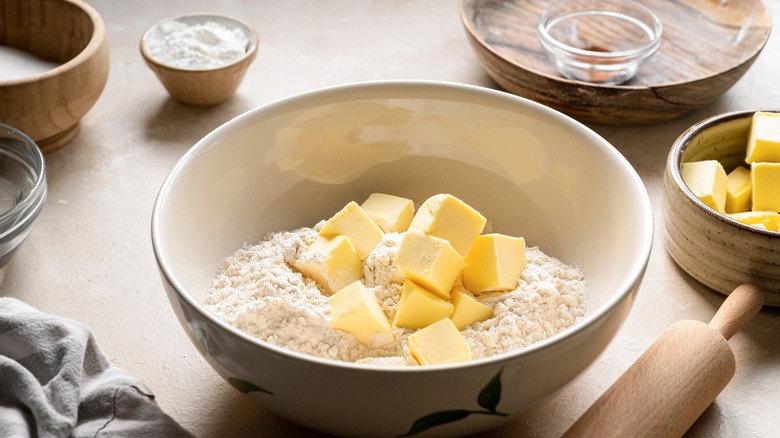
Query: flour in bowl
pixel 196 46
pixel 257 290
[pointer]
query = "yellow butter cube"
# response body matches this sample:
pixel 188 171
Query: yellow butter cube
pixel 764 138
pixel 738 190
pixel 353 223
pixel 768 219
pixel 449 218
pixel 765 178
pixel 439 343
pixel 468 310
pixel 330 261
pixel 418 308
pixel 430 261
pixel 392 214
pixel 495 263
pixel 354 309
pixel 708 182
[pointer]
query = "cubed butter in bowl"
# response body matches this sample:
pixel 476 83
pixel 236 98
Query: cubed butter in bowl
pixel 721 205
pixel 503 159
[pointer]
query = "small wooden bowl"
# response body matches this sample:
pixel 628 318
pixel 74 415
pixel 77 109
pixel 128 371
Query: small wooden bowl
pixel 713 248
pixel 204 87
pixel 48 107
pixel 705 48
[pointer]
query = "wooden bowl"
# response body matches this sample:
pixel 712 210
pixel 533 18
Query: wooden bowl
pixel 713 248
pixel 705 48
pixel 47 107
pixel 204 87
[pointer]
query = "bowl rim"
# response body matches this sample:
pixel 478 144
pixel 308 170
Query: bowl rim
pixel 674 163
pixel 631 280
pixel 251 51
pixel 92 47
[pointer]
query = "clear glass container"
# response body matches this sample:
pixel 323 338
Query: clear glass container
pixel 22 188
pixel 599 41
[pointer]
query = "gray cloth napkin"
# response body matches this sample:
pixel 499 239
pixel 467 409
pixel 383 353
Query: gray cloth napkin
pixel 55 382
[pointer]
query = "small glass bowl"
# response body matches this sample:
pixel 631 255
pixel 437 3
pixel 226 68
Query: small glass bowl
pixel 22 188
pixel 599 41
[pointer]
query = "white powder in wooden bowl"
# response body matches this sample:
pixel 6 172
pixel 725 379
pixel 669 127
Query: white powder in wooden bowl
pixel 196 46
pixel 257 291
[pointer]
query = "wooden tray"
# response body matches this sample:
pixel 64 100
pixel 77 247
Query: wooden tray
pixel 707 45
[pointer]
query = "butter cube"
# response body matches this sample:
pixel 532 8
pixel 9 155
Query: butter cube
pixel 764 138
pixel 708 182
pixel 330 261
pixel 355 310
pixel 768 219
pixel 392 214
pixel 353 223
pixel 738 190
pixel 494 263
pixel 418 308
pixel 430 261
pixel 765 178
pixel 439 343
pixel 468 310
pixel 449 218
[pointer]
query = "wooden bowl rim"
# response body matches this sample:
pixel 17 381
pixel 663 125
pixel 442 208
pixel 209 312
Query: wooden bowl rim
pixel 247 58
pixel 95 41
pixel 468 24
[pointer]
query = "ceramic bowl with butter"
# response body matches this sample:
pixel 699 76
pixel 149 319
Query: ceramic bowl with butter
pixel 55 61
pixel 715 247
pixel 200 59
pixel 293 162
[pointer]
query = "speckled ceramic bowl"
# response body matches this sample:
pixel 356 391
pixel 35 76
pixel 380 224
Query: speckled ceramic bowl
pixel 533 171
pixel 713 248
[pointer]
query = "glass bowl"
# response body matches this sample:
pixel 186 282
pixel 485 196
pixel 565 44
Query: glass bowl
pixel 22 188
pixel 599 41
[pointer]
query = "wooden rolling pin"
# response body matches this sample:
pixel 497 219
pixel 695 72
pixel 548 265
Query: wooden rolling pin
pixel 676 379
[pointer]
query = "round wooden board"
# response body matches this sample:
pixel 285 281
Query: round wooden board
pixel 707 45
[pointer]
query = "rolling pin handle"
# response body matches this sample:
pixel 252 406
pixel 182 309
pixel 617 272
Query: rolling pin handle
pixel 742 304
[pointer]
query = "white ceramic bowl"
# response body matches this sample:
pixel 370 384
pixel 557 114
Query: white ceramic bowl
pixel 713 248
pixel 532 170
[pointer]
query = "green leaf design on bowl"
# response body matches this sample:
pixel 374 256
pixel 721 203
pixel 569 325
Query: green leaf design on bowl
pixel 491 394
pixel 437 419
pixel 246 387
pixel 488 398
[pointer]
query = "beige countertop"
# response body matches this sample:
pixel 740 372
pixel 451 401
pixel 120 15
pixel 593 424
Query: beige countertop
pixel 89 256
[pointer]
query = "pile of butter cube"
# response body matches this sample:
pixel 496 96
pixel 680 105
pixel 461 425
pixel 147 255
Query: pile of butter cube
pixel 442 243
pixel 750 196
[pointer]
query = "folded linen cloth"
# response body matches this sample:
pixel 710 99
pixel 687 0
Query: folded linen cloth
pixel 56 382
